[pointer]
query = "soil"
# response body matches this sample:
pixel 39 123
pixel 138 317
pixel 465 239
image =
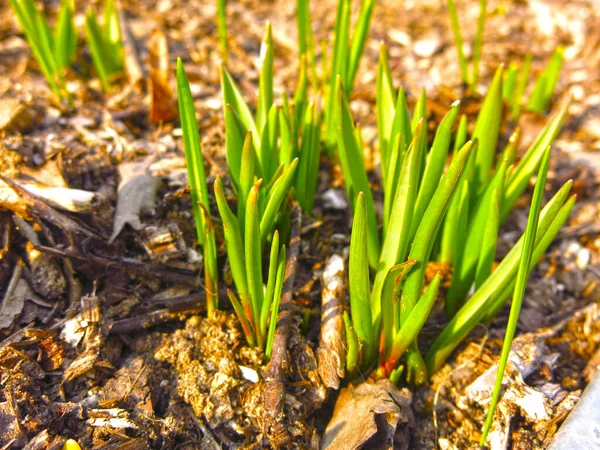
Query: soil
pixel 109 343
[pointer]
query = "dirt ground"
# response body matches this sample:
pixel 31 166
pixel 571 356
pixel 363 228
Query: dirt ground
pixel 105 340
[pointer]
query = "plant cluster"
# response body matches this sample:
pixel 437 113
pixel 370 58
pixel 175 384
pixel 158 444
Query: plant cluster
pixel 55 50
pixel 104 40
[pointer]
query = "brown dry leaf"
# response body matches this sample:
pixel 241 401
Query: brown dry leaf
pixel 163 104
pixel 137 193
pixel 370 415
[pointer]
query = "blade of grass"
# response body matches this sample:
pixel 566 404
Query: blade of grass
pixel 247 176
pixel 521 283
pixel 271 280
pixel 546 83
pixel 306 41
pixel 235 131
pixel 65 35
pixel 241 314
pixel 308 166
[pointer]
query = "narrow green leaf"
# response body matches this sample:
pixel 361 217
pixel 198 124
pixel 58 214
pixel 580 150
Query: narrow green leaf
pixel 209 252
pixel 232 96
pixel 352 353
pixel 65 36
pixel 455 226
pixel 265 80
pixel 276 300
pixel 458 42
pixel 465 266
pixel 306 42
pixel 546 83
pixel 271 280
pixel 252 251
pixel 359 283
pixel 235 132
pixel 526 168
pixel 301 93
pixel 353 168
pixel 521 283
pixel 359 40
pixel 420 112
pixel 246 177
pixel 510 151
pixel 521 86
pixel 308 166
pixel 386 108
pixel 488 243
pixel 222 27
pixel 96 44
pixel 276 196
pixel 397 154
pixel 390 301
pixel 461 133
pixel 421 251
pixel 396 242
pixel 111 33
pixel 288 146
pixel 510 82
pixel 193 150
pixel 244 321
pixel 478 44
pixel 487 128
pixel 401 123
pixel 499 298
pixel 425 236
pixel 410 330
pixel 267 156
pixel 436 159
pixel 339 62
pixel 235 248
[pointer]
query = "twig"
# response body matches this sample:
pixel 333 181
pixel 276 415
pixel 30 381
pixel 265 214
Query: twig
pixel 274 396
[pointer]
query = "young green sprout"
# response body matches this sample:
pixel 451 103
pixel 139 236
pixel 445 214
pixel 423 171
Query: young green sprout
pixel 53 51
pixel 279 135
pixel 348 47
pixel 105 42
pixel 467 80
pixel 222 27
pixel 255 305
pixel 433 213
pixel 198 189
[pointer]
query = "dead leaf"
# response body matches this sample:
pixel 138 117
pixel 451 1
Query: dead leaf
pixel 370 415
pixel 163 104
pixel 136 195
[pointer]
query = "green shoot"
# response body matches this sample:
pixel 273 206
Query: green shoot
pixel 431 213
pixel 306 40
pixel 478 44
pixel 104 40
pixel 458 42
pixel 257 306
pixel 222 27
pixel 521 284
pixel 198 189
pixel 546 83
pixel 53 52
